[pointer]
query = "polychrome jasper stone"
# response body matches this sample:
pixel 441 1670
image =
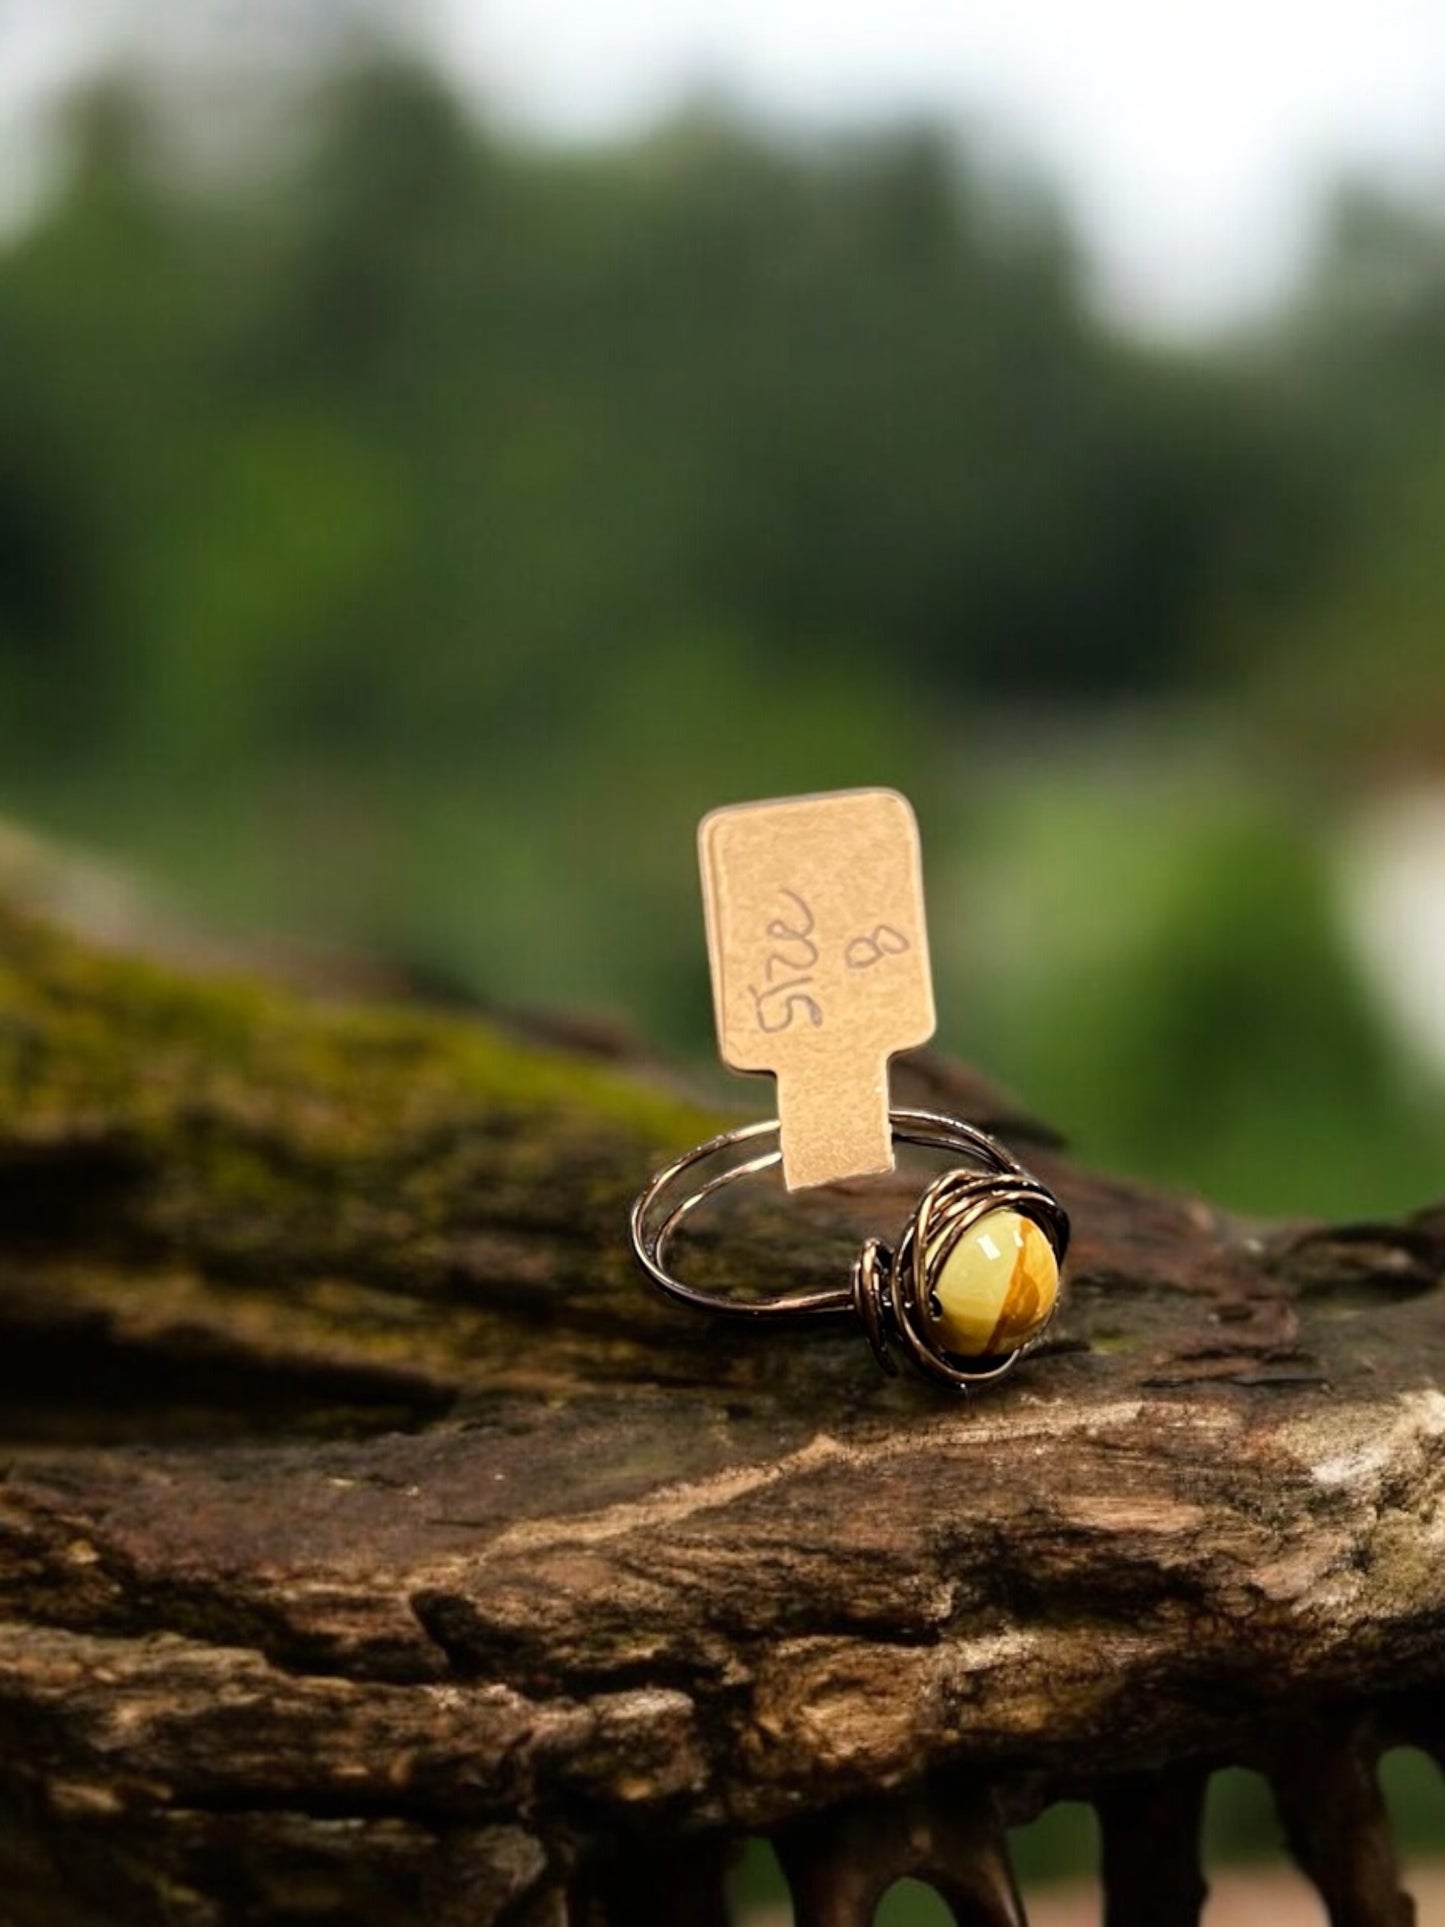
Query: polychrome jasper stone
pixel 996 1288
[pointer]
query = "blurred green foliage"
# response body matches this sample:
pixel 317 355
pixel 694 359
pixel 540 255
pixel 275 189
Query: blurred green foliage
pixel 405 536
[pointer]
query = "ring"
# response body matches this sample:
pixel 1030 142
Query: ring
pixel 971 1286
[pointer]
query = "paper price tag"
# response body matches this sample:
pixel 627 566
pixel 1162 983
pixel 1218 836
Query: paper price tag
pixel 819 954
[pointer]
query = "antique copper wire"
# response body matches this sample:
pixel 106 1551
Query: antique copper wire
pixel 890 1290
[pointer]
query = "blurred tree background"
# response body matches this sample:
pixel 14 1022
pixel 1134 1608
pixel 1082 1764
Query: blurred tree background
pixel 408 529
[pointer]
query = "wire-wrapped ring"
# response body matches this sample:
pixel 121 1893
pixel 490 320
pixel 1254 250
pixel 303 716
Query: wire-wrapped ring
pixel 895 1293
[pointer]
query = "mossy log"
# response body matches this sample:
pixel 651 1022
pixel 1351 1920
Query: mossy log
pixel 375 1546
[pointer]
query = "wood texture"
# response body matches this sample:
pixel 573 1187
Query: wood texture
pixel 374 1546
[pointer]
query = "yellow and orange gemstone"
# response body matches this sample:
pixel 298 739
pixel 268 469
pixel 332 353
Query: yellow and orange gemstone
pixel 996 1288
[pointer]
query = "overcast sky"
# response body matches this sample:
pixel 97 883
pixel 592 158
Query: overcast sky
pixel 1190 137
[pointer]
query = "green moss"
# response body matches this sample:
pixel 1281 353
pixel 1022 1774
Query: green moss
pixel 266 1128
pixel 81 1023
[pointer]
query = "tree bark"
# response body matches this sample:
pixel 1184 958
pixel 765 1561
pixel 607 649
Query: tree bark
pixel 376 1546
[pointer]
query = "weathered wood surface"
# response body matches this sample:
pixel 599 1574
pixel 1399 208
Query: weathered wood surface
pixel 374 1546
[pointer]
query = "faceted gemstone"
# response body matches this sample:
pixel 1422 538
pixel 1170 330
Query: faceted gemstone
pixel 997 1286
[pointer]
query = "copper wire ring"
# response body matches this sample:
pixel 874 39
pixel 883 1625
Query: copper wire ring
pixel 889 1290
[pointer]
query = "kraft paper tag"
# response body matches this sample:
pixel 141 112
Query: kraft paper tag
pixel 819 954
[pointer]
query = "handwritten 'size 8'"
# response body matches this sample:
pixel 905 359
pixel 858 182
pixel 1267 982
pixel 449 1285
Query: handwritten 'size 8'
pixel 795 952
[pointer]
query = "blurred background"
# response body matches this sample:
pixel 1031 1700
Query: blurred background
pixel 446 447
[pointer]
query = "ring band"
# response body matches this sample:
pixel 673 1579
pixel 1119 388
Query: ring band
pixel 982 1244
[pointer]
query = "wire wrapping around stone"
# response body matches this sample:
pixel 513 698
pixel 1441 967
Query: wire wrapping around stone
pixel 893 1291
